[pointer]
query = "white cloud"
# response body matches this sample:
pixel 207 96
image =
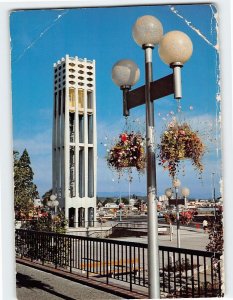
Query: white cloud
pixel 38 144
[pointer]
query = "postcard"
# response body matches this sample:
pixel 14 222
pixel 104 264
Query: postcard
pixel 117 138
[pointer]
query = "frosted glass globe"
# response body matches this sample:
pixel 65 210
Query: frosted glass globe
pixel 53 197
pixel 147 30
pixel 175 46
pixel 49 203
pixel 125 73
pixel 55 203
pixel 185 192
pixel 176 183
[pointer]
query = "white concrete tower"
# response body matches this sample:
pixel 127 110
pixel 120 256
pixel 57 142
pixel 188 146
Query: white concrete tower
pixel 74 139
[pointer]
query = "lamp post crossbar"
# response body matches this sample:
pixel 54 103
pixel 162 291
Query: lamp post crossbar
pixel 159 88
pixel 176 201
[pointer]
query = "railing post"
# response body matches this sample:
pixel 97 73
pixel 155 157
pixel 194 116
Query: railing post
pixel 130 268
pixel 43 248
pixel 31 239
pixel 55 250
pixel 107 262
pixel 87 258
pixel 71 253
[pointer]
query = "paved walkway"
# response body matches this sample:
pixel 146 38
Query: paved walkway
pixel 33 284
pixel 190 238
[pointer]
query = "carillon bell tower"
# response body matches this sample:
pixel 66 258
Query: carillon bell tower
pixel 74 153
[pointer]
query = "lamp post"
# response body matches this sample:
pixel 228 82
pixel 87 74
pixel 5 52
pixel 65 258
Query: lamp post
pixel 176 184
pixel 168 193
pixel 53 203
pixel 121 206
pixel 177 201
pixel 175 49
pixel 214 196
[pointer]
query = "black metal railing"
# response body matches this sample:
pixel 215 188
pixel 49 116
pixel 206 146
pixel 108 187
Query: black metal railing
pixel 183 272
pixel 190 273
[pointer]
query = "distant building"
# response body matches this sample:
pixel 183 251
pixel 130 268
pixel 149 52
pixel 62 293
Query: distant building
pixel 132 201
pixel 111 205
pixel 74 139
pixel 163 198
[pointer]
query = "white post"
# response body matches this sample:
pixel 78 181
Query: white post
pixel 171 231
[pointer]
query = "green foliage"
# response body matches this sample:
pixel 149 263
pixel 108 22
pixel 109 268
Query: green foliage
pixel 46 196
pixel 108 200
pixel 117 201
pixel 25 191
pixel 125 201
pixel 138 203
pixel 178 266
pixel 48 223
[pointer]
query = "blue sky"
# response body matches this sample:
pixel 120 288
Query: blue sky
pixel 41 37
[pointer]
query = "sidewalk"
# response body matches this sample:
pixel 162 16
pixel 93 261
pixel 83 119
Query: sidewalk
pixel 33 284
pixel 190 238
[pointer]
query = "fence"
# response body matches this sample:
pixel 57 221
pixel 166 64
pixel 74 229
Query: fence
pixel 183 272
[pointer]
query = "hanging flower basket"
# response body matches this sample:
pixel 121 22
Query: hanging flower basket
pixel 186 217
pixel 179 142
pixel 127 152
pixel 169 218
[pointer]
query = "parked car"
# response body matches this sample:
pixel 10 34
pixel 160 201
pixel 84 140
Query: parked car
pixel 159 214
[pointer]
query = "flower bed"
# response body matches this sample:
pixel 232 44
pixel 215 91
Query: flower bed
pixel 179 142
pixel 127 152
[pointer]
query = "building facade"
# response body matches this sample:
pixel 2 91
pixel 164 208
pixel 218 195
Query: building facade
pixel 74 152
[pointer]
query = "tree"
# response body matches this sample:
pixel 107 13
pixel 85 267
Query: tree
pixel 25 191
pixel 46 196
pixel 48 223
pixel 117 201
pixel 138 203
pixel 108 200
pixel 125 201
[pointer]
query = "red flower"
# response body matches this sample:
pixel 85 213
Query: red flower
pixel 123 137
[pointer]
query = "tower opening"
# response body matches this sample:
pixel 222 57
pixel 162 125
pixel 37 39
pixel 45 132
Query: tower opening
pixel 71 217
